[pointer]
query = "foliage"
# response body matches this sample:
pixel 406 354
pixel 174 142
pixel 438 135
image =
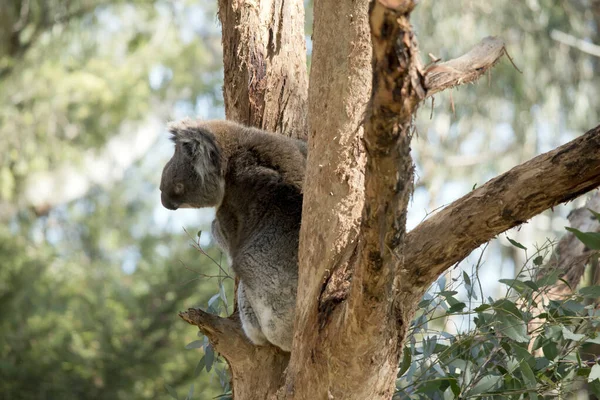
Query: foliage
pixel 89 306
pixel 90 289
pixel 524 345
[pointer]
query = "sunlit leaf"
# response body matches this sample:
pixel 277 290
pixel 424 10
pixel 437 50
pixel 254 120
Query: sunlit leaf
pixel 594 373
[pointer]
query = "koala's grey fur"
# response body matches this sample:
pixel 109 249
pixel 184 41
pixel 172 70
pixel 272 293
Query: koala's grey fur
pixel 254 179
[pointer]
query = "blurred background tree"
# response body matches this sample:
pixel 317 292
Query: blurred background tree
pixel 90 272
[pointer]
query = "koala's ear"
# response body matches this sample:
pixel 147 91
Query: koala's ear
pixel 198 144
pixel 186 132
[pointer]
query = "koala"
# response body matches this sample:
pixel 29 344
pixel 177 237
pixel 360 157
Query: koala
pixel 254 179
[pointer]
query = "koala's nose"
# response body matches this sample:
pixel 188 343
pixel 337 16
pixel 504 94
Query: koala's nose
pixel 168 204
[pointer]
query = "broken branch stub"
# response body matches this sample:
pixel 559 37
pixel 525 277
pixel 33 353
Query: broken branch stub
pixel 466 68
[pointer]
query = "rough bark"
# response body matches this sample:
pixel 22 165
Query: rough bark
pixel 340 83
pixel 264 53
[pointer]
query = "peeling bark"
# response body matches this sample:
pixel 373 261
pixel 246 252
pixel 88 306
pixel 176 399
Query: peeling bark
pixel 264 53
pixel 354 352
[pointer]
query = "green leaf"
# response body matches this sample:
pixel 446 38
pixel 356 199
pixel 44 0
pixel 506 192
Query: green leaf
pixel 573 306
pixel 567 334
pixel 199 234
pixel 595 340
pixel 538 261
pixel 448 293
pixel 519 286
pixel 594 387
pixel 548 279
pixel 171 392
pixel 590 239
pixel 196 344
pixel 424 303
pixel 209 355
pixel 516 244
pixel 482 308
pixel 466 278
pixel 528 378
pixel 406 361
pixel 541 363
pixel 523 354
pixel 457 307
pixel 512 327
pixel 594 373
pixel 590 292
pixel 199 367
pixel 428 386
pixel 550 350
pixel 507 306
pixel 485 384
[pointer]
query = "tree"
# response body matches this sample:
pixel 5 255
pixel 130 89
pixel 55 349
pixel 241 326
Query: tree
pixel 361 273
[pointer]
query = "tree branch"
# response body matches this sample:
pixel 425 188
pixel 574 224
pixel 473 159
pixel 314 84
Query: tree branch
pixel 504 202
pixel 225 334
pixel 397 91
pixel 227 338
pixel 466 68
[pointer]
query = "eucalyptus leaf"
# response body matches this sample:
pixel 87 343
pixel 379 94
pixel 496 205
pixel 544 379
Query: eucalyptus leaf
pixel 590 239
pixel 594 373
pixel 209 357
pixel 196 344
pixel 485 384
pixel 516 244
pixel 590 292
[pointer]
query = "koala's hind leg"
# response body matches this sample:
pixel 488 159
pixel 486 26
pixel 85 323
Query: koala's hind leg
pixel 248 317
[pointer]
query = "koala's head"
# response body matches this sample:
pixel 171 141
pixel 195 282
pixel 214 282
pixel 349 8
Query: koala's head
pixel 193 177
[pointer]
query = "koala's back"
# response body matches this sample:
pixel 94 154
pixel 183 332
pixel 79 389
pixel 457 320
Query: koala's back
pixel 258 224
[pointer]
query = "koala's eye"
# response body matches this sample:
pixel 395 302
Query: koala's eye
pixel 179 188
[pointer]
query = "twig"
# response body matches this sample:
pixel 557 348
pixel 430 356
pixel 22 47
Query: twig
pixel 579 44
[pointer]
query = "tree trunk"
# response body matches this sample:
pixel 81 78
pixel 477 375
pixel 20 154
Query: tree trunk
pixel 361 274
pixel 266 86
pixel 264 57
